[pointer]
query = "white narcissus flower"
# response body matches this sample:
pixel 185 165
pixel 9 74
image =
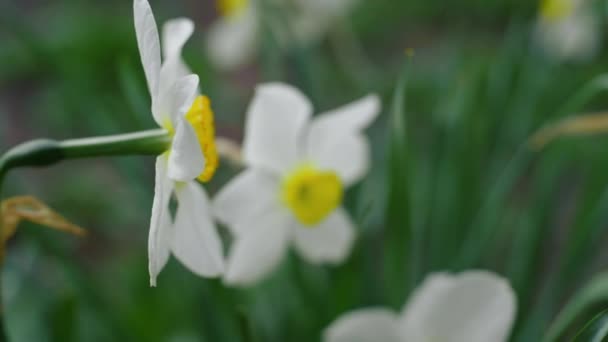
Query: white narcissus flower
pixel 191 237
pixel 292 190
pixel 568 30
pixel 233 39
pixel 473 306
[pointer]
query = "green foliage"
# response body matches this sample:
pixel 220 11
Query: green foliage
pixel 454 184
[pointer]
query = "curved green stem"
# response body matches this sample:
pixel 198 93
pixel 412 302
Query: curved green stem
pixel 44 152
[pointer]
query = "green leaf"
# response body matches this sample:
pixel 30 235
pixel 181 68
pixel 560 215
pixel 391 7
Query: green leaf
pixel 594 293
pixel 398 230
pixel 594 331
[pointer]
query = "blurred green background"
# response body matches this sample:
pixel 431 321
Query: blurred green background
pixel 453 184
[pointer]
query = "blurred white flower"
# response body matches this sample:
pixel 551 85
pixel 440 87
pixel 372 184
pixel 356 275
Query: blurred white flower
pixel 474 306
pixel 192 236
pixel 293 186
pixel 568 30
pixel 233 39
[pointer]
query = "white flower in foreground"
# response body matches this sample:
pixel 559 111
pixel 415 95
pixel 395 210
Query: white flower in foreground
pixel 191 236
pixel 473 306
pixel 568 30
pixel 233 39
pixel 292 190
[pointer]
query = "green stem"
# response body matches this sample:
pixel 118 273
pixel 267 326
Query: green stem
pixel 44 152
pixel 153 142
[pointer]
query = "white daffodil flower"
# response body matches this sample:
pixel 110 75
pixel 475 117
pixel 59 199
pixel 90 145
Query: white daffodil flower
pixel 191 237
pixel 474 306
pixel 233 39
pixel 568 30
pixel 292 190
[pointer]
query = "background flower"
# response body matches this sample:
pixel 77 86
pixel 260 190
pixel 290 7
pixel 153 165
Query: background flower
pixel 473 306
pixel 293 186
pixel 235 37
pixel 569 29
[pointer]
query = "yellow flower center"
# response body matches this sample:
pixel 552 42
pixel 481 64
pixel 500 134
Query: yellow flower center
pixel 200 116
pixel 231 8
pixel 555 10
pixel 311 194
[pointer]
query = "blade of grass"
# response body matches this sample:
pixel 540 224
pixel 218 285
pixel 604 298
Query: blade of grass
pixel 401 242
pixel 595 292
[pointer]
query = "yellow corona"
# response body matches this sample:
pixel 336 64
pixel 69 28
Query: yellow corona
pixel 311 194
pixel 200 116
pixel 231 8
pixel 555 10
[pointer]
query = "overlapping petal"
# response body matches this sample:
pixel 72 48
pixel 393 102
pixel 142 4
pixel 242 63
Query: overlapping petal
pixel 196 242
pixel 250 195
pixel 258 251
pixel 474 306
pixel 335 141
pixel 329 242
pixel 175 101
pixel 186 159
pixel 159 238
pixel 351 118
pixel 274 127
pixel 175 34
pixel 365 325
pixel 348 156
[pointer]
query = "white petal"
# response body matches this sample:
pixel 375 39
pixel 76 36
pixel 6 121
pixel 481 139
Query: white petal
pixel 231 42
pixel 353 117
pixel 474 306
pixel 365 325
pixel 149 46
pixel 175 34
pixel 195 240
pixel 160 223
pixel 186 160
pixel 335 141
pixel 348 156
pixel 328 242
pixel 245 198
pixel 274 127
pixel 575 38
pixel 256 253
pixel 176 100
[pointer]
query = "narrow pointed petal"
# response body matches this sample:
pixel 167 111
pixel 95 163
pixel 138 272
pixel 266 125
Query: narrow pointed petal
pixel 196 243
pixel 335 140
pixel 160 224
pixel 329 242
pixel 249 195
pixel 231 42
pixel 365 325
pixel 176 100
pixel 474 306
pixel 175 34
pixel 351 118
pixel 258 252
pixel 274 127
pixel 186 159
pixel 348 156
pixel 149 46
